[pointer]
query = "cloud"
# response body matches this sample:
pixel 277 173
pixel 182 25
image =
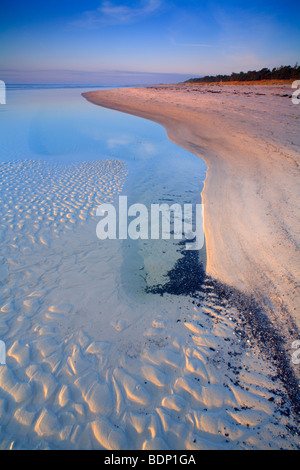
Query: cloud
pixel 108 14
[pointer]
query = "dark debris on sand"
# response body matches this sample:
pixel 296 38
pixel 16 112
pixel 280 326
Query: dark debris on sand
pixel 188 278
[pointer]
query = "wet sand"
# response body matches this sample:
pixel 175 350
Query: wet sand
pixel 89 366
pixel 249 139
pixel 92 364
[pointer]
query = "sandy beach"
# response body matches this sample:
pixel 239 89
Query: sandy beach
pixel 113 344
pixel 249 139
pixel 149 228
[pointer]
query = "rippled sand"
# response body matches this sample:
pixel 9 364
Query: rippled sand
pixel 91 367
pixel 249 138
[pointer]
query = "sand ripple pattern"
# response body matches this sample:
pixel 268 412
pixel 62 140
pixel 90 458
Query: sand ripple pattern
pixel 90 368
pixel 56 196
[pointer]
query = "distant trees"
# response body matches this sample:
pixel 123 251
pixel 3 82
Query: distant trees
pixel 285 72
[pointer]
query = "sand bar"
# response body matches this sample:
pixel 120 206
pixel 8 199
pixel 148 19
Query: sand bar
pixel 92 364
pixel 249 139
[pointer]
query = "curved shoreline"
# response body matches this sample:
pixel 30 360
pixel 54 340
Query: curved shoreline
pixel 249 141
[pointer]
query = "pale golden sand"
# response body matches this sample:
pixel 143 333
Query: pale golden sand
pixel 93 365
pixel 249 138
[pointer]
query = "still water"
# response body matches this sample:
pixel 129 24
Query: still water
pixel 58 126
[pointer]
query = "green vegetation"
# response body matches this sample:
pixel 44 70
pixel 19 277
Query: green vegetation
pixel 285 72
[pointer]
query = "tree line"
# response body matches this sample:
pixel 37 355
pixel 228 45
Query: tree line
pixel 284 72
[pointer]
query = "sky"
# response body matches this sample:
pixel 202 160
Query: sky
pixel 131 42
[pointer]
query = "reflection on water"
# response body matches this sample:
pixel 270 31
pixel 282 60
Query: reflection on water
pixel 96 357
pixel 60 126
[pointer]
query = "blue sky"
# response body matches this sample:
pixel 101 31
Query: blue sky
pixel 143 41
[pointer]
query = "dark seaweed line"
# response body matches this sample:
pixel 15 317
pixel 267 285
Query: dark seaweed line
pixel 188 278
